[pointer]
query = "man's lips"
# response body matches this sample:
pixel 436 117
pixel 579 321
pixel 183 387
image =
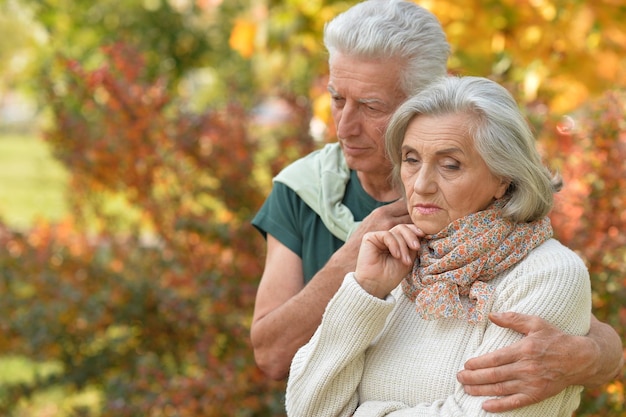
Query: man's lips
pixel 352 148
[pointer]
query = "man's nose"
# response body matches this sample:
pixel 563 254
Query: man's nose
pixel 349 122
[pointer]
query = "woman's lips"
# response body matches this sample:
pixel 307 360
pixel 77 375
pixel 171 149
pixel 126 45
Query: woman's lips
pixel 426 209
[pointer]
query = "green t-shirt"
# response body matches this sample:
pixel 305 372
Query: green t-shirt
pixel 293 223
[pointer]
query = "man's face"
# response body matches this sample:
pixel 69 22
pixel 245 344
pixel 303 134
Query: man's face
pixel 364 95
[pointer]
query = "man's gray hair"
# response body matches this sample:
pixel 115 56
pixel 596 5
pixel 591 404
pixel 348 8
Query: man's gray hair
pixel 392 29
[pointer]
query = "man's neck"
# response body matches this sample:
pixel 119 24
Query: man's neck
pixel 378 186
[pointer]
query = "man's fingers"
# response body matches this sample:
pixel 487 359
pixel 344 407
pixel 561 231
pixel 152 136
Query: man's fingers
pixel 514 321
pixel 519 322
pixel 483 375
pixel 512 394
pixel 487 364
pixel 396 209
pixel 508 403
pixel 494 390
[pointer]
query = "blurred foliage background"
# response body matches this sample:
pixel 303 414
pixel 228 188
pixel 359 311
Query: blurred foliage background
pixel 163 122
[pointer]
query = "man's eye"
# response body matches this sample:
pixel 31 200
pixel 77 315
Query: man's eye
pixel 374 109
pixel 338 101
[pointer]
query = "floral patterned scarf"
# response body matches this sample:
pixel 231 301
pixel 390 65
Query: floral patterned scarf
pixel 461 259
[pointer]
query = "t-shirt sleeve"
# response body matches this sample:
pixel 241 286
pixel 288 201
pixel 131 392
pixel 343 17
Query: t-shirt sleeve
pixel 279 215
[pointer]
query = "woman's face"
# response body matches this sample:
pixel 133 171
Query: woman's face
pixel 443 175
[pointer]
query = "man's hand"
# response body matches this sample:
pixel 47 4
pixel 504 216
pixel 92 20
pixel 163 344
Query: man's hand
pixel 542 364
pixel 382 218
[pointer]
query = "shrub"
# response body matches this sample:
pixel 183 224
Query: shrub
pixel 151 308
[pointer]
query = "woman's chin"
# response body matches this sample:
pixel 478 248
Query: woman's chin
pixel 428 226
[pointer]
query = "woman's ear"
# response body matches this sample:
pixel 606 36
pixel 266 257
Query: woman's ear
pixel 502 188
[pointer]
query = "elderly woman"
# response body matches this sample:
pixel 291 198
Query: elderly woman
pixel 401 326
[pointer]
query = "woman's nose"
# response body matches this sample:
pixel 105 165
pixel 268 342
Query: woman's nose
pixel 424 181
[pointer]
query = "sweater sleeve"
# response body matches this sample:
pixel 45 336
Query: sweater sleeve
pixel 552 283
pixel 326 372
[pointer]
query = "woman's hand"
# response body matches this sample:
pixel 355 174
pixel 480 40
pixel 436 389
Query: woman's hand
pixel 385 258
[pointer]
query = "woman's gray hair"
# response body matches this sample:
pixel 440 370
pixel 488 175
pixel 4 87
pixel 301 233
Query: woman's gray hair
pixel 501 136
pixel 392 29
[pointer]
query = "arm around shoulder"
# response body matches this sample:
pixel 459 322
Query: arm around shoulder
pixel 605 347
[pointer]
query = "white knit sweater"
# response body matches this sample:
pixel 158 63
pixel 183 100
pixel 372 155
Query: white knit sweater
pixel 373 357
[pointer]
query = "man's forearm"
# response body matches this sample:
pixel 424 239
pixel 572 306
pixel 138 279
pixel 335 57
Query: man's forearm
pixel 609 356
pixel 279 334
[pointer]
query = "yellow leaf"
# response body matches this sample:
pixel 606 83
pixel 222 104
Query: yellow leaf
pixel 242 37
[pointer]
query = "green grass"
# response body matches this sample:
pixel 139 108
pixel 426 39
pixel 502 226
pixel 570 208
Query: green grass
pixel 32 182
pixel 32 186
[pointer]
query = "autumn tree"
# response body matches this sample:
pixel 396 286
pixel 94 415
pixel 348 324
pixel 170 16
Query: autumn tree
pixel 589 148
